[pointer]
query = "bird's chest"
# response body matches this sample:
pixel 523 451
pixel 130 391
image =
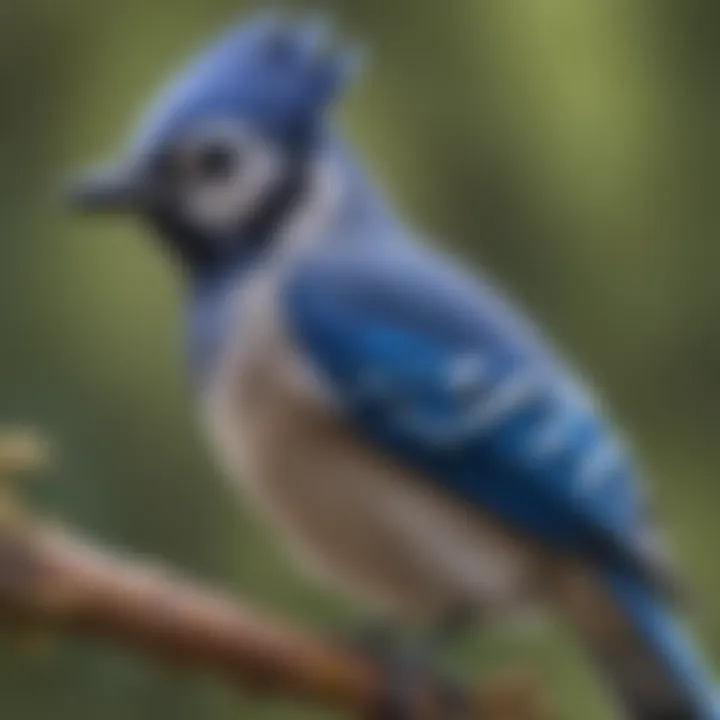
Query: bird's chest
pixel 245 392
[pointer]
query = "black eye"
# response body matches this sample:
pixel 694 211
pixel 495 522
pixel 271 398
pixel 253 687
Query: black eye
pixel 217 161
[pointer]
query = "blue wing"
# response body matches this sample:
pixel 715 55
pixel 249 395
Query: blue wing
pixel 437 369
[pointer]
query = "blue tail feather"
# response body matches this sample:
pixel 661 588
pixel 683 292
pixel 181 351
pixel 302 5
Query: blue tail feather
pixel 663 676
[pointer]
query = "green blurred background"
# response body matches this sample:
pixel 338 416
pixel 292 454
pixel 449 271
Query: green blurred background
pixel 569 146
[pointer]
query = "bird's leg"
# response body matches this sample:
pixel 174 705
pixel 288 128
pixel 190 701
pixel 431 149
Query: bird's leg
pixel 406 666
pixel 383 645
pixel 435 643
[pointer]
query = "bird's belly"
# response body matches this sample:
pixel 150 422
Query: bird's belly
pixel 357 517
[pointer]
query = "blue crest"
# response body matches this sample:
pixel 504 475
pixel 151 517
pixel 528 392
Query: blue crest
pixel 276 77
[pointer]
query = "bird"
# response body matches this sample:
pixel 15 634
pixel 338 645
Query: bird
pixel 411 434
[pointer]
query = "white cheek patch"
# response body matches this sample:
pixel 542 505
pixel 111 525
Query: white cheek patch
pixel 221 204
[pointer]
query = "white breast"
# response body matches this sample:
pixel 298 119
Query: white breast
pixel 346 510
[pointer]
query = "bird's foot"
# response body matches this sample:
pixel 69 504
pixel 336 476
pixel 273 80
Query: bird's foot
pixel 414 690
pixel 411 672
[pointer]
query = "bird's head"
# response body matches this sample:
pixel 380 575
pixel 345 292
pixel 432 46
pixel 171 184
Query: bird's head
pixel 223 155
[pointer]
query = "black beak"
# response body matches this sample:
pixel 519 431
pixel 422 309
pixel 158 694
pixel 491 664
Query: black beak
pixel 117 190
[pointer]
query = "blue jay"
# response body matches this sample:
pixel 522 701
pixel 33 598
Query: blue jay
pixel 407 430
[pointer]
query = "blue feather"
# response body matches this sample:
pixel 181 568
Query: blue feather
pixel 388 327
pixel 662 634
pixel 275 77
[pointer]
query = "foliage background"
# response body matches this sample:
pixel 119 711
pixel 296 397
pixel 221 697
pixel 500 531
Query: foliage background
pixel 568 145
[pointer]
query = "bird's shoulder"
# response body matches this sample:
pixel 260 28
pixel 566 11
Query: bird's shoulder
pixel 411 282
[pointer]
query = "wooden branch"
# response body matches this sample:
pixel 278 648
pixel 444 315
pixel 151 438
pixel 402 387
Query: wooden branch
pixel 50 578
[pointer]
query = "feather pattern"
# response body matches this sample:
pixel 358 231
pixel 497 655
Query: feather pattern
pixel 444 375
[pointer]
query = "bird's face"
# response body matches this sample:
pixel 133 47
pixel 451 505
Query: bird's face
pixel 224 153
pixel 214 177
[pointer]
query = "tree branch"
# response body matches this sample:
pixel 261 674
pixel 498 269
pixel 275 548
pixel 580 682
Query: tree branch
pixel 51 578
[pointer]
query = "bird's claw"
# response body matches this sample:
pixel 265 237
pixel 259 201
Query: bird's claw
pixel 409 679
